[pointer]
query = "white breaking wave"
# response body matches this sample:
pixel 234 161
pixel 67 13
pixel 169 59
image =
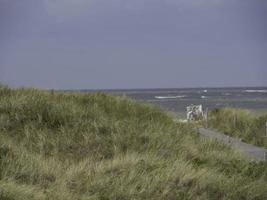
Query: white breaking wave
pixel 204 97
pixel 258 91
pixel 170 97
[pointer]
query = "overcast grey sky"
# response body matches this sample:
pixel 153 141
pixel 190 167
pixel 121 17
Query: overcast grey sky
pixel 97 44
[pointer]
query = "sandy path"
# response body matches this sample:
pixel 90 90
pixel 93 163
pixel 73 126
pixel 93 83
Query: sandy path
pixel 254 152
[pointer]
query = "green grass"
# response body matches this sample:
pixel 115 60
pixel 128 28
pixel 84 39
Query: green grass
pixel 243 124
pixel 94 146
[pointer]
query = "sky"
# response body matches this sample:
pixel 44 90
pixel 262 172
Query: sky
pixel 109 44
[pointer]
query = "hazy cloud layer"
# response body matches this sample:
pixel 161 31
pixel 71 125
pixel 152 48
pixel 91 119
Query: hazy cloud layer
pixel 196 2
pixel 133 43
pixel 75 8
pixel 66 9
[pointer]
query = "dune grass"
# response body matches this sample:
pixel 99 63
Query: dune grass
pixel 93 146
pixel 243 124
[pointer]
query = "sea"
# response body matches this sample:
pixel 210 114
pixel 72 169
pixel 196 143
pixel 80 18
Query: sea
pixel 176 99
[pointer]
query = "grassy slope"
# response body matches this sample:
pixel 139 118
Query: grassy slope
pixel 240 123
pixel 81 146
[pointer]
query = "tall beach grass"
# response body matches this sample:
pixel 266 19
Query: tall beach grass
pixel 56 145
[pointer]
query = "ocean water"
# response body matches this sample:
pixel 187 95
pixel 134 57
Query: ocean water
pixel 176 100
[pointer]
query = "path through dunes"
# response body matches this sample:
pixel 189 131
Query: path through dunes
pixel 254 152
